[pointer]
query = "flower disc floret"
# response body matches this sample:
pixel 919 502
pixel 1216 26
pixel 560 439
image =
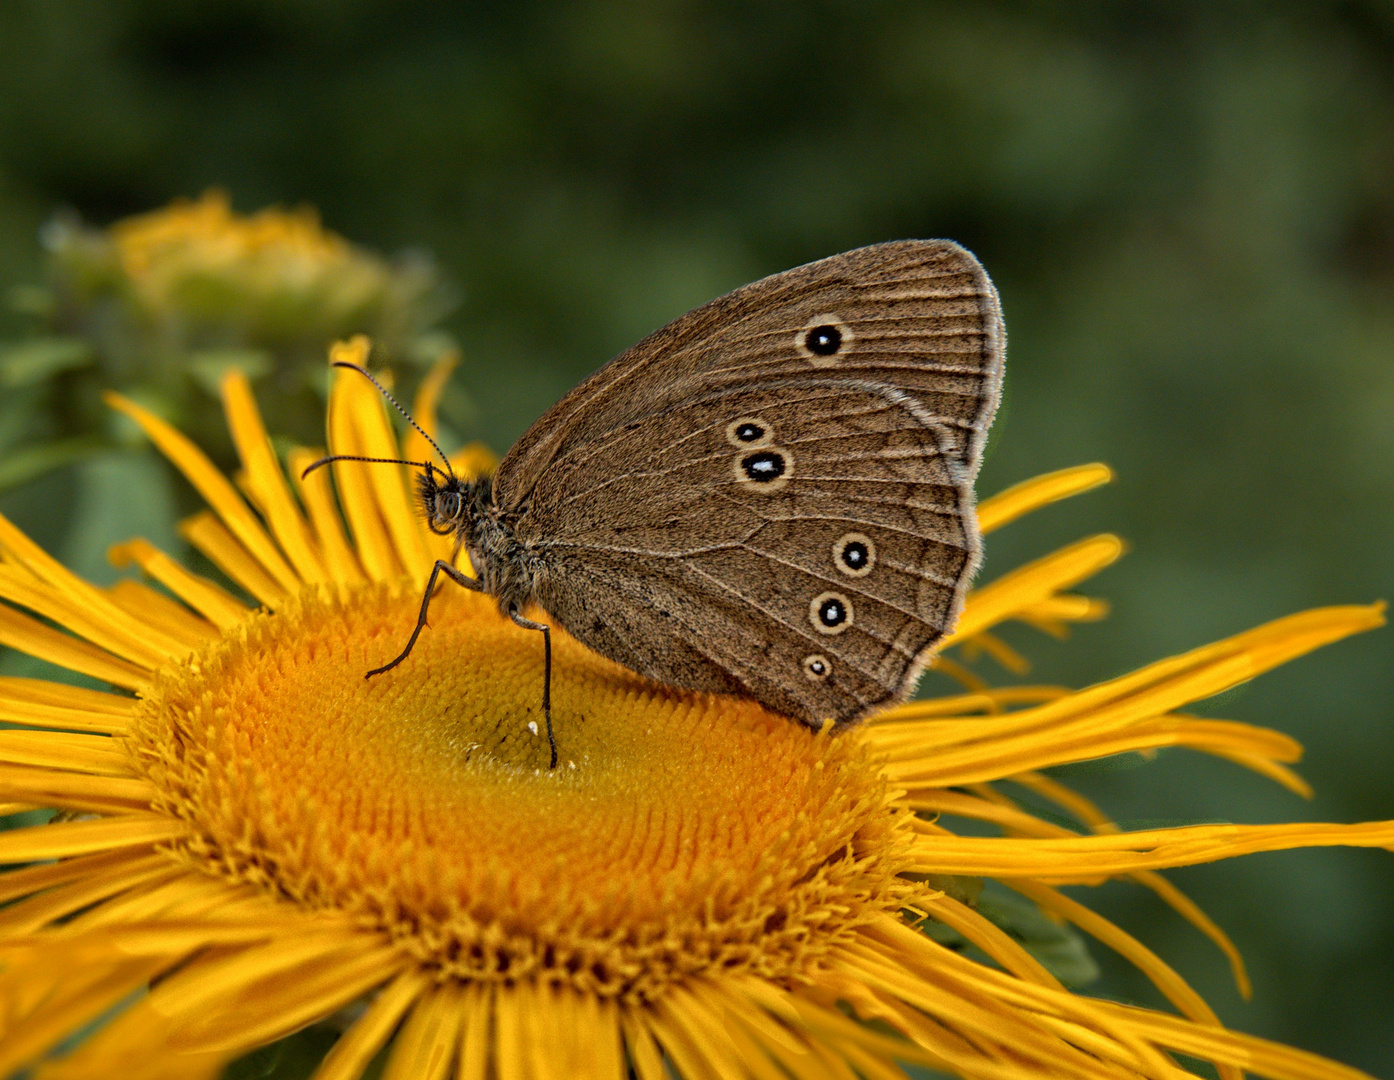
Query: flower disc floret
pixel 681 831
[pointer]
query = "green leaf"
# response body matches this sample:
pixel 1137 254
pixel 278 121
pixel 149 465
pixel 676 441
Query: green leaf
pixel 120 494
pixel 31 300
pixel 25 363
pixel 29 462
pixel 1060 949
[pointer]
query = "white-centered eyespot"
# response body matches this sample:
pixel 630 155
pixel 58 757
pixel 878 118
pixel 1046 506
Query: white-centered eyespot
pixel 816 667
pixel 830 613
pixel 854 554
pixel 823 340
pixel 749 433
pixel 764 470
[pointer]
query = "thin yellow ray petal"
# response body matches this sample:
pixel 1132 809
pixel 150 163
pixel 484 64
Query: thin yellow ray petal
pixel 869 1066
pixel 548 1016
pixel 36 912
pixel 425 1047
pixel 353 1052
pixel 643 1051
pixel 82 837
pixel 75 791
pixel 134 1045
pixel 250 999
pixel 205 532
pixel 998 649
pixel 692 1057
pixel 365 408
pixel 512 1050
pixel 1128 852
pixel 999 1033
pixel 1189 910
pixel 348 394
pixel 173 618
pixel 95 754
pixel 1085 810
pixel 1080 740
pixel 318 498
pixel 751 1000
pixel 757 1061
pixel 129 640
pixel 215 488
pixel 86 601
pixel 189 895
pixel 265 480
pixel 903 946
pixel 1020 499
pixel 1069 800
pixel 476 1035
pixel 85 995
pixel 356 498
pixel 27 635
pixel 1054 614
pixel 1234 1048
pixel 1020 589
pixel 833 1025
pixel 209 599
pixel 600 1027
pixel 726 1017
pixel 424 406
pixel 1120 703
pixel 1173 987
pixel 1102 1047
pixel 1279 774
pixel 991 701
pixel 55 699
pixel 992 940
pixel 34 879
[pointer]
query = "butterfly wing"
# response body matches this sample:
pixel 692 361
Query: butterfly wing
pixel 919 316
pixel 804 541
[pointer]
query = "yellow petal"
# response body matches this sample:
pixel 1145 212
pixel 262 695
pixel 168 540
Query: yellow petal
pixel 207 598
pixel 205 532
pixel 81 837
pixel 266 480
pixel 1007 506
pixel 370 1032
pixel 214 487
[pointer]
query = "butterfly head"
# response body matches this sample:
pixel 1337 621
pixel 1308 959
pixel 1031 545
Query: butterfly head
pixel 446 500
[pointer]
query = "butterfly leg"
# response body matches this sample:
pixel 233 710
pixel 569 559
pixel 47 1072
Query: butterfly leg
pixel 528 624
pixel 457 576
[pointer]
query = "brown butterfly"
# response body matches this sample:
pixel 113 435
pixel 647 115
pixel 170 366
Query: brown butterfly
pixel 771 496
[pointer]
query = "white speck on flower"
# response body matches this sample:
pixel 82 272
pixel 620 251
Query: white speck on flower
pixel 532 726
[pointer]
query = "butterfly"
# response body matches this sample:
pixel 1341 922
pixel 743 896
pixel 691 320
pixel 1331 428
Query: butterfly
pixel 771 496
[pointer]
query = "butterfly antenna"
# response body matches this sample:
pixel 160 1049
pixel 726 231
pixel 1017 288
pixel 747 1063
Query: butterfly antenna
pixel 372 460
pixel 396 405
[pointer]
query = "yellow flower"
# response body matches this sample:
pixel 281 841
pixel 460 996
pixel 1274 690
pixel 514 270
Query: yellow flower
pixel 160 305
pixel 255 837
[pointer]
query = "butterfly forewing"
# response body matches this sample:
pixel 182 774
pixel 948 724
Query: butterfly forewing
pixel 917 315
pixel 801 540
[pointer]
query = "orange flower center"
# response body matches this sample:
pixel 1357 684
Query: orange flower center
pixel 681 830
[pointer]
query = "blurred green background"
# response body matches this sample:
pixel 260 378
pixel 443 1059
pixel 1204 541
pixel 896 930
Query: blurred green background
pixel 1188 208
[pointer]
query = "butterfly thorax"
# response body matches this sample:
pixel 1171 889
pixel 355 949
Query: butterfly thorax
pixel 466 509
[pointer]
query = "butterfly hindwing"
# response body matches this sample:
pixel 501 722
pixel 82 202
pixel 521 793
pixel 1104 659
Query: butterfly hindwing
pixel 802 540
